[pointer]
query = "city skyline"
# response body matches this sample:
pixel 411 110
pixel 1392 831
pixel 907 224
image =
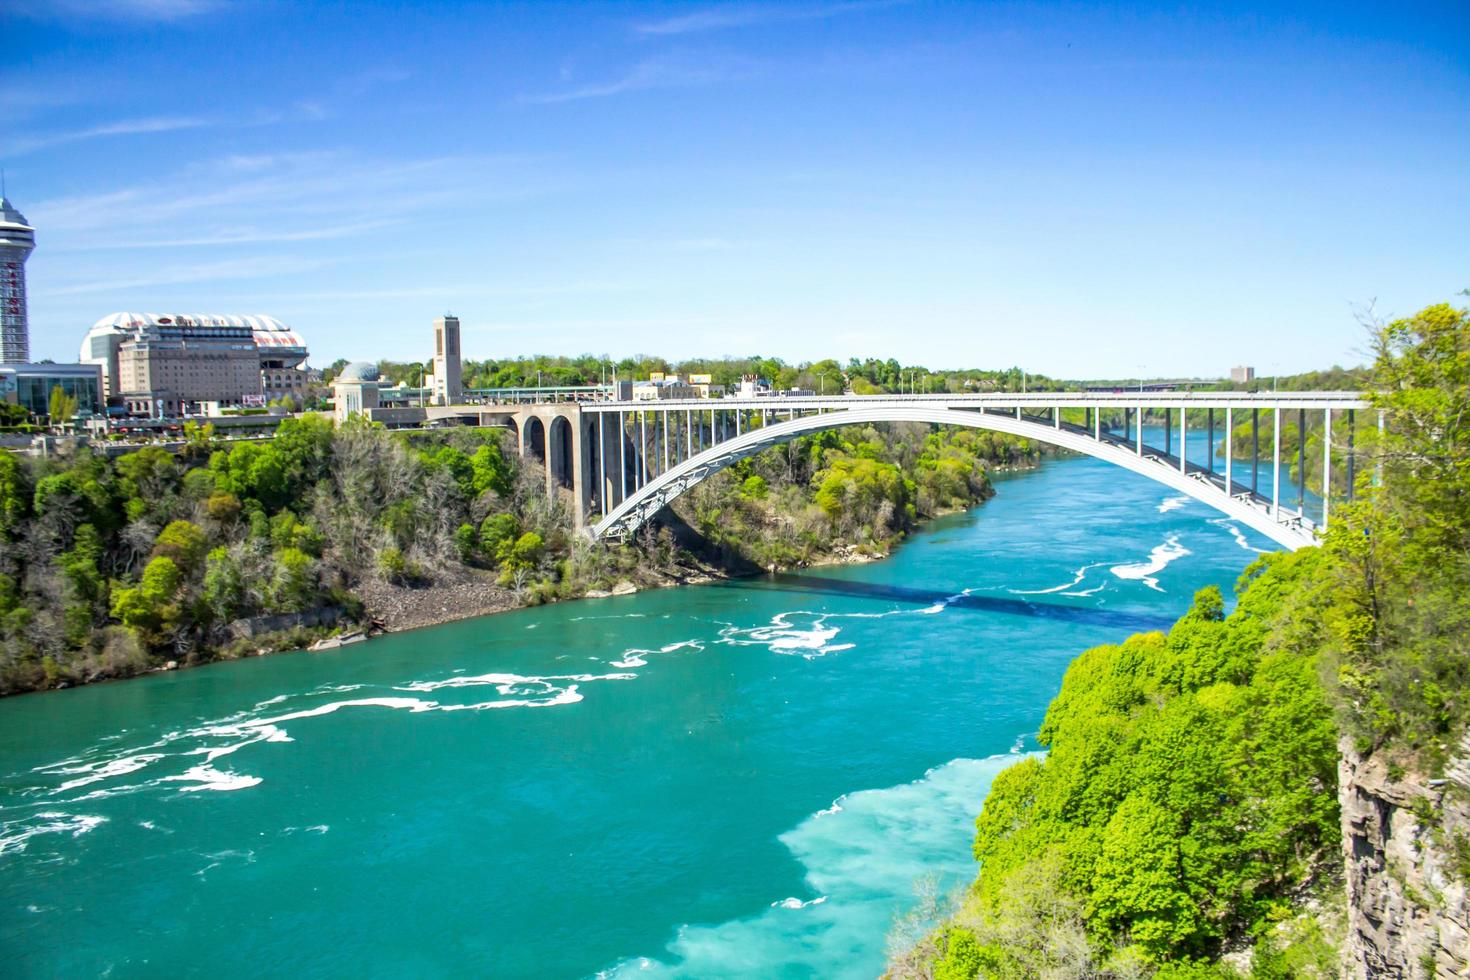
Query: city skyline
pixel 1072 190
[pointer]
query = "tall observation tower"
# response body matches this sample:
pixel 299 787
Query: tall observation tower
pixel 16 241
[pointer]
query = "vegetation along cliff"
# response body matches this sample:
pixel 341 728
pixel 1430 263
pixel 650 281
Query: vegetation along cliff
pixel 1283 791
pixel 113 567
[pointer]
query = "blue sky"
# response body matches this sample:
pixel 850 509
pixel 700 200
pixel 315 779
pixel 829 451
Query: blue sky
pixel 1083 190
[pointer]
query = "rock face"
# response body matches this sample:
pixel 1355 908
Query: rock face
pixel 321 616
pixel 1408 908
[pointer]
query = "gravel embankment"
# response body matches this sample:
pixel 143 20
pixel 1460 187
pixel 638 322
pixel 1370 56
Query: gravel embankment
pixel 399 608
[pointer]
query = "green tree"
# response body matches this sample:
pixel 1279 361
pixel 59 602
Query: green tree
pixel 496 530
pixel 14 502
pixel 62 406
pixel 293 587
pixel 148 607
pixel 224 587
pixel 184 543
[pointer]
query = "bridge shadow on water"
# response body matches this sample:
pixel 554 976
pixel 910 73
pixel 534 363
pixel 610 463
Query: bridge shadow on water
pixel 1043 609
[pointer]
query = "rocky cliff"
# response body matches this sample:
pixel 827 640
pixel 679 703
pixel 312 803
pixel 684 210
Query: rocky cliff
pixel 1407 844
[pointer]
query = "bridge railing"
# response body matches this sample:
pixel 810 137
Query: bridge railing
pixel 649 438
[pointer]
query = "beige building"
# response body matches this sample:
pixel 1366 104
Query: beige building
pixel 661 388
pixel 173 368
pixel 280 357
pixel 448 389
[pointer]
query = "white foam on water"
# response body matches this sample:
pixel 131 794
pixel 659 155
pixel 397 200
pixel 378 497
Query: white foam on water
pixel 227 736
pixel 943 604
pixel 861 865
pixel 637 657
pixel 206 777
pixel 1228 523
pixel 1087 592
pixel 1158 559
pixel 783 636
pixel 1172 503
pixel 1077 578
pixel 836 807
pixel 507 683
pixel 15 835
pixel 107 769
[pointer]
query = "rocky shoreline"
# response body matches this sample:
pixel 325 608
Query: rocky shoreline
pixel 398 608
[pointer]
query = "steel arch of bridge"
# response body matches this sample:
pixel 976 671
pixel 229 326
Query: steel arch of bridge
pixel 1291 530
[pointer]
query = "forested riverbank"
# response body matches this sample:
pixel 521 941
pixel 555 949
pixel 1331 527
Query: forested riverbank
pixel 110 568
pixel 1280 792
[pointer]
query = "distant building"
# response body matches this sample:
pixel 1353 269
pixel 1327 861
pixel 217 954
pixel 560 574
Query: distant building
pixel 447 386
pixel 1242 375
pixel 701 384
pixel 355 390
pixel 17 240
pixel 30 386
pixel 661 389
pixel 752 387
pixel 184 360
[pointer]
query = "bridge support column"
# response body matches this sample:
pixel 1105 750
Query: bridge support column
pixel 581 470
pixel 1301 462
pixel 1183 439
pixel 601 465
pixel 1326 464
pixel 1210 441
pixel 1352 459
pixel 1276 464
pixel 1255 450
pixel 1229 451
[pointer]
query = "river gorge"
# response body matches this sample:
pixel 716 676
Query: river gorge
pixel 751 778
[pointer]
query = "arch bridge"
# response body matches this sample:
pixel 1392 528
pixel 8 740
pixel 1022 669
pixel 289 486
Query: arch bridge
pixel 634 458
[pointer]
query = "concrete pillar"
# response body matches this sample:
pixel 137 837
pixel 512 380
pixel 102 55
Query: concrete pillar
pixel 601 465
pixel 1275 464
pixel 1184 438
pixel 1229 450
pixel 546 457
pixel 1326 463
pixel 581 464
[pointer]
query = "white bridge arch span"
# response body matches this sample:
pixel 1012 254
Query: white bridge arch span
pixel 1290 531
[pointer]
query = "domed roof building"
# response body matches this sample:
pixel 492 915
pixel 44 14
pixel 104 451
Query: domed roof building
pixel 358 371
pixel 355 391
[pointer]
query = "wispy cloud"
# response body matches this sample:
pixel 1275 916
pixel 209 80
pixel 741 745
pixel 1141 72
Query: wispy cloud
pixel 752 15
pixel 649 75
pixel 149 10
pixel 240 237
pixel 122 127
pixel 250 268
pixel 280 197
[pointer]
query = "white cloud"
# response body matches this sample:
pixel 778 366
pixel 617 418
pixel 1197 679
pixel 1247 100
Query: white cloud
pixel 751 15
pixel 153 10
pixel 122 127
pixel 254 268
pixel 648 75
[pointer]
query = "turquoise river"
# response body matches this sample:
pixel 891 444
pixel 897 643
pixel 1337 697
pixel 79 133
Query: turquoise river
pixel 754 778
